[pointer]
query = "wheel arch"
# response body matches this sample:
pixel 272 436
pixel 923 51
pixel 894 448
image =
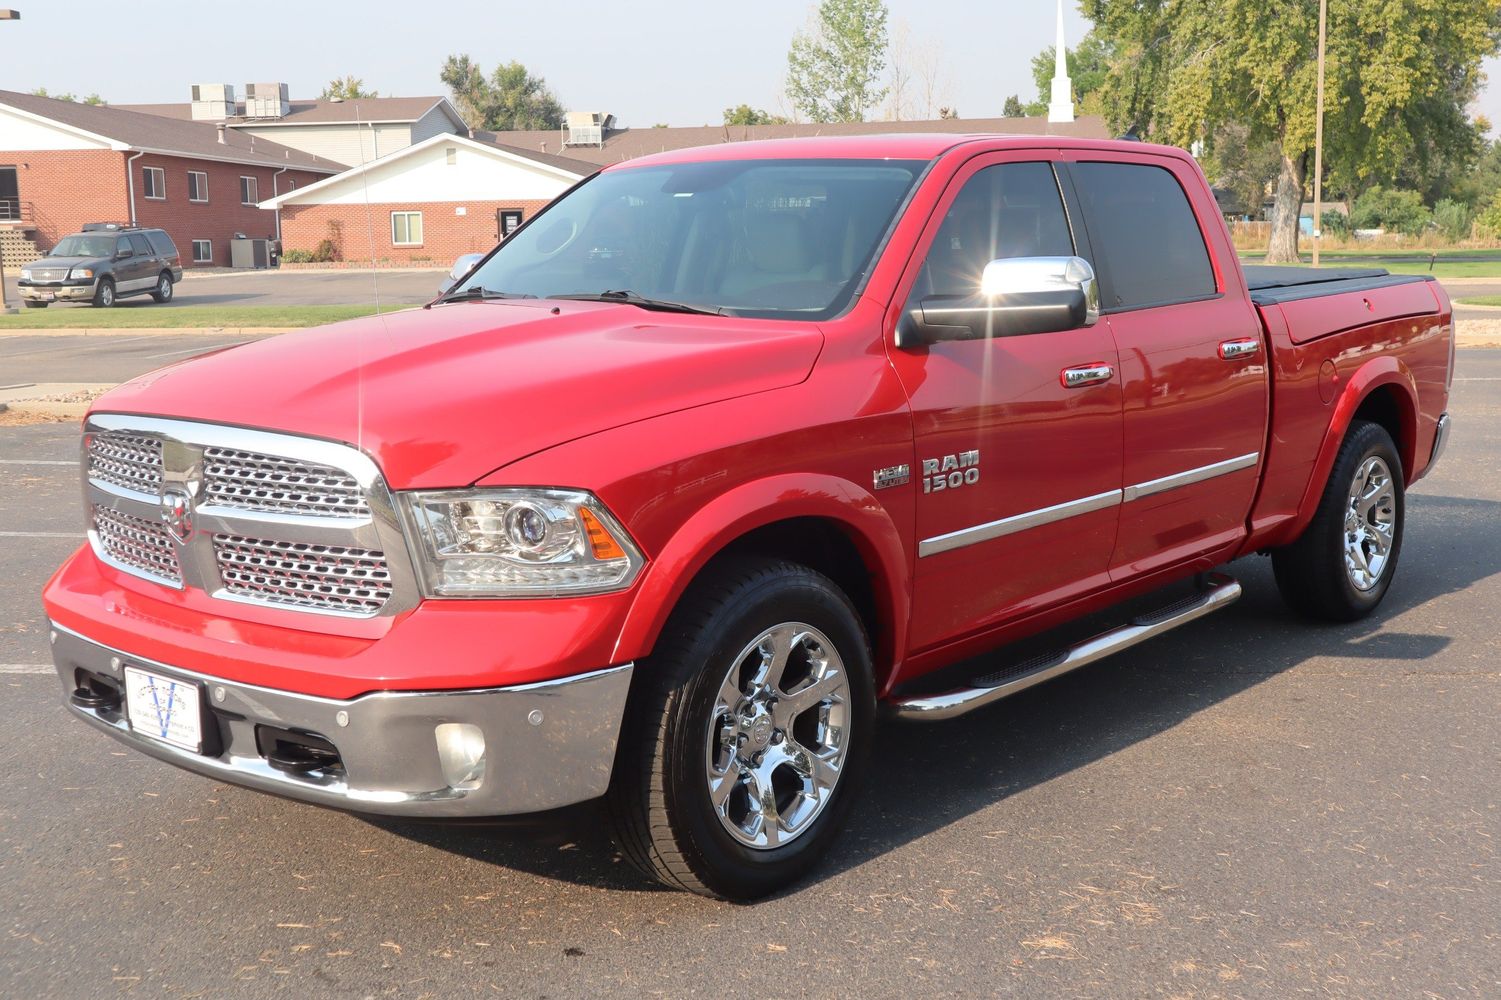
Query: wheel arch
pixel 828 524
pixel 1384 392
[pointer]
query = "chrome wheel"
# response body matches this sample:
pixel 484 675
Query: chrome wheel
pixel 1370 523
pixel 164 289
pixel 106 294
pixel 777 736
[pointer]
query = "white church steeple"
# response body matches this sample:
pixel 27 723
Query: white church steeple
pixel 1061 107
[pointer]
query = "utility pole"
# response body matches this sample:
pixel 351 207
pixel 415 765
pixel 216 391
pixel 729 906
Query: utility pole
pixel 1318 142
pixel 6 14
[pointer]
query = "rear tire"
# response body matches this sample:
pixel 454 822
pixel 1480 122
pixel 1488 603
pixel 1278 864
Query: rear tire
pixel 104 297
pixel 1342 566
pixel 727 783
pixel 163 293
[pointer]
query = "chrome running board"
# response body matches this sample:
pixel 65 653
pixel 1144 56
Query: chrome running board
pixel 1219 591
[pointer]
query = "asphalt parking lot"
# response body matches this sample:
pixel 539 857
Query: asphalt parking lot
pixel 1249 807
pixel 285 288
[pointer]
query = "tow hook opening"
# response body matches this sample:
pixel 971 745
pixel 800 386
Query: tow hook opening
pixel 297 752
pixel 95 692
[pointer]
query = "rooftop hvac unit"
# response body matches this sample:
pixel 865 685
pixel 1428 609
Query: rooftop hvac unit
pixel 586 128
pixel 213 102
pixel 266 100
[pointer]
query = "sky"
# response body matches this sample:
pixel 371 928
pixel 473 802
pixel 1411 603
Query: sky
pixel 645 61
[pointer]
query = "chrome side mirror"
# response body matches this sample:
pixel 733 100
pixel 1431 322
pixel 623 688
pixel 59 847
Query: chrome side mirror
pixel 461 268
pixel 1017 296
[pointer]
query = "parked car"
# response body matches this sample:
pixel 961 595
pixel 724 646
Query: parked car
pixel 725 453
pixel 104 263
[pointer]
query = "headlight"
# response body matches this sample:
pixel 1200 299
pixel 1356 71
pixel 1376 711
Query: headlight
pixel 25 274
pixel 81 272
pixel 517 543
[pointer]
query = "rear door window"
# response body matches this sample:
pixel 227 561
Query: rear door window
pixel 1147 244
pixel 162 243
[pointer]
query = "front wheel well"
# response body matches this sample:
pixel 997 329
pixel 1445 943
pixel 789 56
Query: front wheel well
pixel 825 546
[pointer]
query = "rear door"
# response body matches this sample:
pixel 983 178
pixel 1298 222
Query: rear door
pixel 147 263
pixel 1192 360
pixel 1017 476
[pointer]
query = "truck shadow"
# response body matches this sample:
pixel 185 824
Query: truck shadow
pixel 933 775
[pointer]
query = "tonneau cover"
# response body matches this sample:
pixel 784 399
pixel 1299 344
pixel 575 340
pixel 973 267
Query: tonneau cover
pixel 1270 285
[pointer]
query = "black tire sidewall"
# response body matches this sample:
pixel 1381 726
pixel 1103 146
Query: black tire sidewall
pixel 1377 443
pixel 99 299
pixel 164 288
pixel 725 865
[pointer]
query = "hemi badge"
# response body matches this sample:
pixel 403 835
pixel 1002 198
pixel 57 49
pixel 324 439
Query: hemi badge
pixel 893 475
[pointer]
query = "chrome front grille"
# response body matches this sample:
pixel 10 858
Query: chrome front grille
pixel 255 517
pixel 131 461
pixel 250 481
pixel 137 545
pixel 331 577
pixel 49 273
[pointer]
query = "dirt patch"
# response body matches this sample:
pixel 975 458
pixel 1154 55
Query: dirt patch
pixel 1477 332
pixel 49 408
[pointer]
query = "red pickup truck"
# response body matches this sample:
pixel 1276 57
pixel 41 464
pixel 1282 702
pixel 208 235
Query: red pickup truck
pixel 724 455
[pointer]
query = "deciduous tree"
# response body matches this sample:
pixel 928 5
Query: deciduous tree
pixel 834 65
pixel 744 114
pixel 350 88
pixel 510 98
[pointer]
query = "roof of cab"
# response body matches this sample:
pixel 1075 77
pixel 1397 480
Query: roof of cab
pixel 896 146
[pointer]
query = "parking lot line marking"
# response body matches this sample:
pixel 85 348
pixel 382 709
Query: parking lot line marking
pixel 71 347
pixel 34 461
pixel 173 354
pixel 40 534
pixel 27 668
pixel 1478 380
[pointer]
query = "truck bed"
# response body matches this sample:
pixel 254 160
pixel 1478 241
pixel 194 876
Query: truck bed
pixel 1271 285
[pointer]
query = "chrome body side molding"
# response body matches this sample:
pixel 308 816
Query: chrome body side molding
pixel 1192 476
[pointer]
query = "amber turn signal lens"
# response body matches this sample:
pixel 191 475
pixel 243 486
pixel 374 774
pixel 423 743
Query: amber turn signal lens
pixel 603 544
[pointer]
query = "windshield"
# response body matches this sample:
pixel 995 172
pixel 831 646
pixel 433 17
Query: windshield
pixel 85 246
pixel 750 237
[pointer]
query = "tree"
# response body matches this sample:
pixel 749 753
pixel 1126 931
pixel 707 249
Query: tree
pixel 1246 167
pixel 1013 107
pixel 1392 210
pixel 1398 82
pixel 70 98
pixel 744 114
pixel 834 65
pixel 351 88
pixel 1088 67
pixel 511 98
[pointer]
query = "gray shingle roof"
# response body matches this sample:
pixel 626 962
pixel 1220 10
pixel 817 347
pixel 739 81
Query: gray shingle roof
pixel 166 135
pixel 316 112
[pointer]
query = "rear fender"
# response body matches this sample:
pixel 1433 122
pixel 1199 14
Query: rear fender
pixel 755 505
pixel 1368 378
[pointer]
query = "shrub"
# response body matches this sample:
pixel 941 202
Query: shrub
pixel 1453 218
pixel 1488 222
pixel 1336 224
pixel 298 257
pixel 1392 210
pixel 326 252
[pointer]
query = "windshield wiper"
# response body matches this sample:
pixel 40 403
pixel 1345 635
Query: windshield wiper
pixel 641 301
pixel 477 294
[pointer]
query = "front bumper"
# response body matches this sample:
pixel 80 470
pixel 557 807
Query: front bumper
pixel 56 292
pixel 548 744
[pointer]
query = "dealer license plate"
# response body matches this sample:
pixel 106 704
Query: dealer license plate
pixel 49 296
pixel 164 709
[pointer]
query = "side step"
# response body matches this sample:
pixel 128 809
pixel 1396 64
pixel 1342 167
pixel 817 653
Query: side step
pixel 1219 591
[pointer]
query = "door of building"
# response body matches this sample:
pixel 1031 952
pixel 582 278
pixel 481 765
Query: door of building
pixel 10 194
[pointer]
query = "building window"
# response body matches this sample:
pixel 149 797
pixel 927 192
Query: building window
pixel 406 229
pixel 197 185
pixel 453 156
pixel 249 191
pixel 203 252
pixel 154 183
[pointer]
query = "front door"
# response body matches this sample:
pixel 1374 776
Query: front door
pixel 1017 477
pixel 10 195
pixel 1193 364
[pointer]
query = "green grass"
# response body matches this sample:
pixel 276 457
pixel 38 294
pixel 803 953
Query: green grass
pixel 148 315
pixel 1481 300
pixel 1446 267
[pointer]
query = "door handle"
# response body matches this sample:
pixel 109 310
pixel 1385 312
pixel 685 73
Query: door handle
pixel 1233 350
pixel 1078 378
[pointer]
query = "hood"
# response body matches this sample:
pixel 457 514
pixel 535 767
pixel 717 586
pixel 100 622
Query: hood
pixel 70 262
pixel 439 397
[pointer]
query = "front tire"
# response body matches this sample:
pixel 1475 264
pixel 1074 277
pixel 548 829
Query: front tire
pixel 163 293
pixel 36 305
pixel 104 297
pixel 1342 566
pixel 747 734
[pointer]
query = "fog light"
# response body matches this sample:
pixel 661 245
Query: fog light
pixel 461 751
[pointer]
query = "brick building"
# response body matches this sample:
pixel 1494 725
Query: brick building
pixel 64 164
pixel 430 202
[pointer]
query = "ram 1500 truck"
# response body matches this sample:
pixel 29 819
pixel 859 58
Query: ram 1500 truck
pixel 725 455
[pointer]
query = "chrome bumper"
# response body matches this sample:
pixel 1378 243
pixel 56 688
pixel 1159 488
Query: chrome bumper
pixel 548 745
pixel 1440 442
pixel 59 293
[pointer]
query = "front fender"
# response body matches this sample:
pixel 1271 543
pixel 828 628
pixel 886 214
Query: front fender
pixel 756 504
